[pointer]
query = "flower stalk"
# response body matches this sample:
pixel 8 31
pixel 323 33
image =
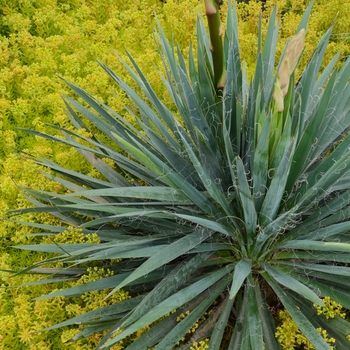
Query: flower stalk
pixel 215 32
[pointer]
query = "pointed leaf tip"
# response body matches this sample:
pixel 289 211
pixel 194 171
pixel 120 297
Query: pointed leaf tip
pixel 242 270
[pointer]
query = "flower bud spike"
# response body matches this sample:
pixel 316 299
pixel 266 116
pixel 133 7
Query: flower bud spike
pixel 290 60
pixel 287 67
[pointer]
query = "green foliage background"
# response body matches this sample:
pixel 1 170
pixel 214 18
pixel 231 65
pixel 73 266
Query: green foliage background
pixel 42 38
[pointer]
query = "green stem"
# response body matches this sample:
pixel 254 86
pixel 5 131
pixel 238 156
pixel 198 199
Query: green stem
pixel 215 32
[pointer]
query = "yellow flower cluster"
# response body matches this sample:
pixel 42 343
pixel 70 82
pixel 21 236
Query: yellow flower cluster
pixel 75 235
pixel 291 338
pixel 202 345
pixel 330 309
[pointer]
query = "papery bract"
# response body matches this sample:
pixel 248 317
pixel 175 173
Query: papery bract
pixel 287 67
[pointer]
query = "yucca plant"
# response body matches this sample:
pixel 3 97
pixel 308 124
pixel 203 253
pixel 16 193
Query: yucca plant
pixel 239 203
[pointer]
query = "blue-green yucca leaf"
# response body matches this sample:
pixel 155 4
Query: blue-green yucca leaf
pixel 171 303
pixel 104 234
pixel 331 269
pixel 276 190
pixel 51 199
pixel 102 284
pixel 240 338
pixel 300 319
pixel 260 165
pixel 52 280
pixel 146 111
pixel 36 266
pixel 193 74
pixel 172 282
pixel 291 283
pixel 156 333
pixel 155 193
pixel 209 224
pixel 333 104
pixel 73 116
pixel 91 329
pixel 144 156
pixel 305 19
pixel 86 180
pixel 196 118
pixel 167 53
pixel 164 326
pixel 105 283
pixel 323 186
pixel 281 141
pixel 232 50
pixel 71 142
pixel 306 82
pixel 212 162
pixel 229 148
pixel 92 210
pixel 321 282
pixel 242 271
pixel 337 328
pixel 268 57
pixel 255 322
pixel 32 198
pixel 109 123
pixel 143 222
pixel 262 80
pixel 310 122
pixel 176 159
pixel 185 325
pixel 331 212
pixel 323 166
pixel 322 79
pixel 81 250
pixel 110 310
pixel 167 254
pixel 52 228
pixel 268 323
pixel 106 125
pixel 177 182
pixel 108 172
pixel 181 60
pixel 320 256
pixel 328 232
pixel 329 106
pixel 104 151
pixel 315 245
pixel 208 182
pixel 265 238
pixel 54 248
pixel 247 203
pixel 220 325
pixel 205 78
pixel 166 114
pixel 232 108
pixel 181 91
pixel 127 254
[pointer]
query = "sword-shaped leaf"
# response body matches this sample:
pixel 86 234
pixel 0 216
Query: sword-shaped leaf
pixel 242 271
